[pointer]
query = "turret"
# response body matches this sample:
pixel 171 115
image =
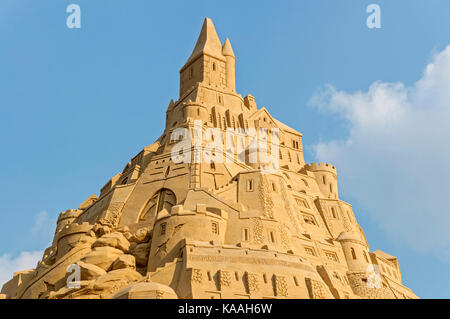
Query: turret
pixel 326 178
pixel 355 250
pixel 227 51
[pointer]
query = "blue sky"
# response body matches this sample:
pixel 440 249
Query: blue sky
pixel 77 104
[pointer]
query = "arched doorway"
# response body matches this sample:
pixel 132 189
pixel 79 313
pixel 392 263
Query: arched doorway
pixel 163 199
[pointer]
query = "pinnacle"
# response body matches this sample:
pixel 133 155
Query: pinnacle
pixel 227 50
pixel 208 42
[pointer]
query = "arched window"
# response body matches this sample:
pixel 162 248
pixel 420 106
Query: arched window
pixel 162 199
pixel 353 253
pixel 365 256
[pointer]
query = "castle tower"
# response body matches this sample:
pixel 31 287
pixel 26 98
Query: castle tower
pixel 326 178
pixel 206 64
pixel 355 251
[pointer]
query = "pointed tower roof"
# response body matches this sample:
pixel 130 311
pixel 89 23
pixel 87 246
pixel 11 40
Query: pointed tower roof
pixel 208 43
pixel 227 50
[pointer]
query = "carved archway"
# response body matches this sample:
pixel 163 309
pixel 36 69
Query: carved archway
pixel 163 199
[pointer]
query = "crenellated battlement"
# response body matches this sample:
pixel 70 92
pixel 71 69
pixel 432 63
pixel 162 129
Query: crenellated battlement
pixel 69 214
pixel 313 167
pixel 73 229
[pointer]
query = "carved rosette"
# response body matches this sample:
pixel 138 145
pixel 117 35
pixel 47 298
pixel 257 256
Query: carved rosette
pixel 316 289
pixel 224 279
pixel 197 276
pixel 252 282
pixel 281 286
pixel 258 237
pixel 266 199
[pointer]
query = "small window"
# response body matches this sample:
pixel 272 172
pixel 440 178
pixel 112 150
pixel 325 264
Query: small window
pixel 310 251
pixel 212 166
pixel 265 278
pixel 214 66
pixel 236 276
pixel 323 180
pixel 246 234
pixel 250 185
pixel 272 236
pixel 353 253
pixel 215 228
pixel 125 180
pixel 209 276
pixel 296 281
pixel 274 188
pixel 309 220
pixel 365 256
pixel 163 229
pixel 333 212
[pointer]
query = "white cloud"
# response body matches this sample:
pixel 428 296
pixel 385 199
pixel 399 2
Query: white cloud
pixel 396 158
pixel 24 261
pixel 40 234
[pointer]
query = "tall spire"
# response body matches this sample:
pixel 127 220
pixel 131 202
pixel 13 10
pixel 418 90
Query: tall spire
pixel 208 43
